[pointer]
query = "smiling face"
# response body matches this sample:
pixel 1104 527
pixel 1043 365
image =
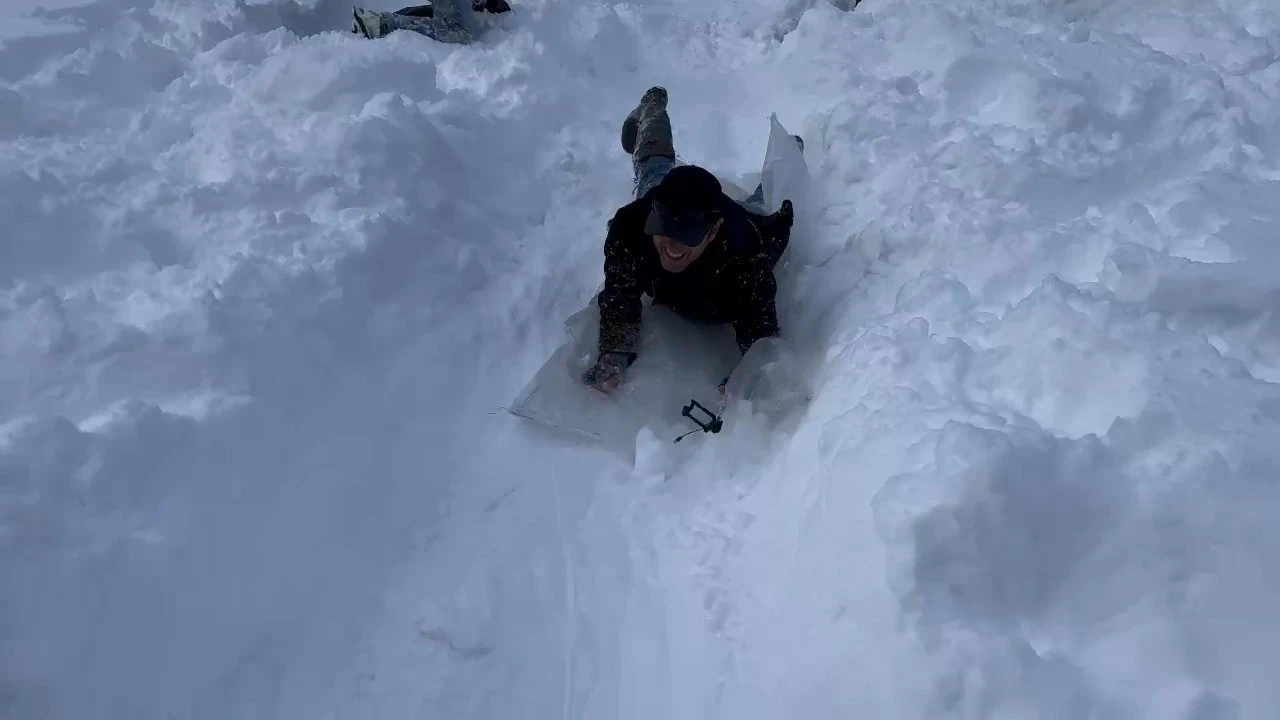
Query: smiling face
pixel 676 256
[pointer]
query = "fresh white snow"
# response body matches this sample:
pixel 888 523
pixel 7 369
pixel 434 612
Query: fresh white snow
pixel 264 286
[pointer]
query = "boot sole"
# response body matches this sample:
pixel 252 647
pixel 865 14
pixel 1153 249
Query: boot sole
pixel 630 128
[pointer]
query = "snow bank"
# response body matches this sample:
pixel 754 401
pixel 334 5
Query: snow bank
pixel 265 285
pixel 235 366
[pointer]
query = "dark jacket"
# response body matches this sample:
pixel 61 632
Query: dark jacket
pixel 732 282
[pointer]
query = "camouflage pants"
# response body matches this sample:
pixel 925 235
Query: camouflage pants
pixel 650 171
pixel 448 23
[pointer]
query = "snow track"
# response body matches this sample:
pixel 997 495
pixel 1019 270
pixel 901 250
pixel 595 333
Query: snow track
pixel 264 285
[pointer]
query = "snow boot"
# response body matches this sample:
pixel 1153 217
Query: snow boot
pixel 647 130
pixel 367 23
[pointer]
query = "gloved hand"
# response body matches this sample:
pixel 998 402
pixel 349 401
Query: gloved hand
pixel 606 374
pixel 783 219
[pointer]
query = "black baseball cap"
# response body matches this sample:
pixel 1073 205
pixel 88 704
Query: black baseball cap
pixel 685 205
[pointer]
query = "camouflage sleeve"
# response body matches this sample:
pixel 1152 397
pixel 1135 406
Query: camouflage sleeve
pixel 619 301
pixel 758 310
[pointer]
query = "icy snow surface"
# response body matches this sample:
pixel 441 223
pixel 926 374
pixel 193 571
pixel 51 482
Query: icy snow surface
pixel 265 284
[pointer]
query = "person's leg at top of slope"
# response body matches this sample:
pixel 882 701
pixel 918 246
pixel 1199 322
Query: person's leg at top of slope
pixel 449 21
pixel 685 243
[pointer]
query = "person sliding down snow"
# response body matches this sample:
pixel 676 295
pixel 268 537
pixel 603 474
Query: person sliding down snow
pixel 686 244
pixel 448 21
